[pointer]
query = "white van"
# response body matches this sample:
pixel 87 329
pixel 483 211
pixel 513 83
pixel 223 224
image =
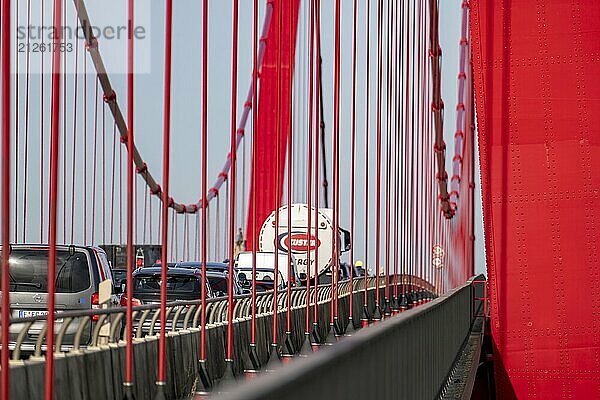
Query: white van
pixel 267 260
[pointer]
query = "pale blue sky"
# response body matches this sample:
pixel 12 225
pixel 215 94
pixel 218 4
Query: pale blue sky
pixel 186 106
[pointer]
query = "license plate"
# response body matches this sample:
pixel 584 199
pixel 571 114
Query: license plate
pixel 35 313
pixel 28 313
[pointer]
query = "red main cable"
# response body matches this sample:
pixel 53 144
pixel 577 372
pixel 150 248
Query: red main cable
pixel 5 110
pixel 166 200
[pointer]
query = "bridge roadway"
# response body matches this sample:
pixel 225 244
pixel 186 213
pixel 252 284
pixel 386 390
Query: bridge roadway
pixel 94 370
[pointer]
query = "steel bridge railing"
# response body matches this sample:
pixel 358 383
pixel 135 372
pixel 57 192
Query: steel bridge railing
pixel 406 357
pixel 89 345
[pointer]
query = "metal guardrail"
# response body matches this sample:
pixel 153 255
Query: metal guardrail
pixel 407 357
pixel 94 369
pixel 181 315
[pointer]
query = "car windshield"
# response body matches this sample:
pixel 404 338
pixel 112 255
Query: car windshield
pixel 29 271
pixel 175 283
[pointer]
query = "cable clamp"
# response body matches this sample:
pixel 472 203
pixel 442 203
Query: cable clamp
pixel 91 44
pixel 110 97
pixel 157 190
pixel 437 106
pixel 442 177
pixel 142 169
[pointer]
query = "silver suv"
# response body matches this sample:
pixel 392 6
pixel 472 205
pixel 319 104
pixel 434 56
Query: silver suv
pixel 79 272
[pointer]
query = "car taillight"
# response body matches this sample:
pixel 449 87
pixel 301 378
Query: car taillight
pixel 134 302
pixel 95 305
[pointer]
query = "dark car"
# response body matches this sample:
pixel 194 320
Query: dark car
pixel 182 284
pixel 217 274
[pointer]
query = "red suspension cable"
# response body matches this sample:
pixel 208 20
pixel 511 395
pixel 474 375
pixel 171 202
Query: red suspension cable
pixel 5 110
pixel 336 142
pixel 52 213
pixel 290 174
pixel 365 312
pixel 353 163
pixel 94 164
pixel 277 181
pixel 311 59
pixel 317 161
pixel 203 201
pixel 253 172
pixel 166 200
pixel 232 203
pixel 26 144
pixel 128 382
pixel 377 313
pixel 42 135
pixel 74 156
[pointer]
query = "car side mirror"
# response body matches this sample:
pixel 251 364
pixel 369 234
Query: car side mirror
pixel 302 276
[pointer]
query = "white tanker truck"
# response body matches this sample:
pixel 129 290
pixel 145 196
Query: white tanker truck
pixel 300 241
